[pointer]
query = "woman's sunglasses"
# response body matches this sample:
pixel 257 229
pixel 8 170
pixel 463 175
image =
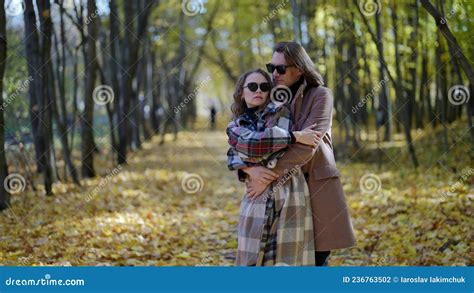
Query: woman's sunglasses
pixel 253 86
pixel 281 69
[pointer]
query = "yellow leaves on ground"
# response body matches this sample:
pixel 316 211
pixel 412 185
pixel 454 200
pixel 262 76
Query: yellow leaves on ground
pixel 140 216
pixel 407 222
pixel 422 217
pixel 145 214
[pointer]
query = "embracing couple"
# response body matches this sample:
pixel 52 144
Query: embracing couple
pixel 294 211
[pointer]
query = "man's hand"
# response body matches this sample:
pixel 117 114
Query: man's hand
pixel 308 136
pixel 261 174
pixel 255 188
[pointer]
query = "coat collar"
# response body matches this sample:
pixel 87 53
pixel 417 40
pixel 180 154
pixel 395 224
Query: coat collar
pixel 270 108
pixel 300 90
pixel 297 101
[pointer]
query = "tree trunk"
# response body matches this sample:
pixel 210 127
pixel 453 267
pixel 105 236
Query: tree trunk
pixel 441 91
pixel 4 195
pixel 385 107
pixel 61 118
pixel 412 68
pixel 87 135
pixel 114 37
pixel 156 94
pixel 353 86
pixel 33 58
pixel 147 88
pixel 130 50
pixel 425 98
pixel 400 92
pixel 45 111
pixel 296 13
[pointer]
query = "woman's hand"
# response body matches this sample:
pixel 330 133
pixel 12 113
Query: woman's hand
pixel 261 174
pixel 308 136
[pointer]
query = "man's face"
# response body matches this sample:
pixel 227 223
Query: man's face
pixel 291 75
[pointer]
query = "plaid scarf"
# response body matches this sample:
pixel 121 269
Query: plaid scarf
pixel 261 140
pixel 276 228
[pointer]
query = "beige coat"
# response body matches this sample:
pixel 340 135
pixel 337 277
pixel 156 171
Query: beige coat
pixel 331 221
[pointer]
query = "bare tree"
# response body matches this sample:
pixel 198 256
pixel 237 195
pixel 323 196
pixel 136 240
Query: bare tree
pixel 38 53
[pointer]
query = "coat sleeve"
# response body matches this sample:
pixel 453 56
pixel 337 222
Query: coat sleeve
pixel 234 162
pixel 321 114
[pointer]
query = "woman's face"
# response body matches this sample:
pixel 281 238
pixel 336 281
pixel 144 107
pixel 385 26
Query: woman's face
pixel 258 97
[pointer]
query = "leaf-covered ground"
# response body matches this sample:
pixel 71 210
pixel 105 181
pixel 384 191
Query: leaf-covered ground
pixel 176 204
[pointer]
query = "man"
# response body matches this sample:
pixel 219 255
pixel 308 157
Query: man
pixel 311 103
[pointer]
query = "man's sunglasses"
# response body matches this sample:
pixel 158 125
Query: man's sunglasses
pixel 253 86
pixel 281 69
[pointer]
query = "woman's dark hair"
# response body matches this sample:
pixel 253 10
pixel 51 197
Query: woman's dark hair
pixel 239 106
pixel 296 55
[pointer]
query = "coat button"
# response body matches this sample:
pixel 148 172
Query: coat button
pixel 272 164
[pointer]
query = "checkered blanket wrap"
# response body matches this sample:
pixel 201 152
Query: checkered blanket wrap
pixel 259 142
pixel 276 228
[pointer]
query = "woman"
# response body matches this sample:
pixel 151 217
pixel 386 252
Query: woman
pixel 276 227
